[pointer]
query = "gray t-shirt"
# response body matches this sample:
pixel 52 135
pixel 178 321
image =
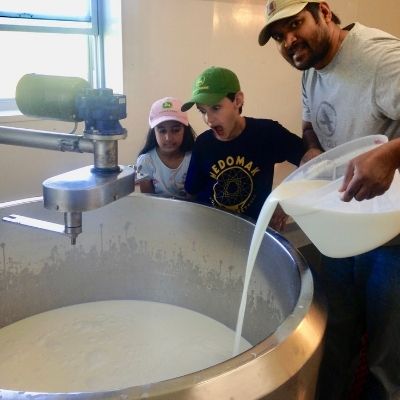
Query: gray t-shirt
pixel 358 93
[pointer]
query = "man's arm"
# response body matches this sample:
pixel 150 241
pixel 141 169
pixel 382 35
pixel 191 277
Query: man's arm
pixel 311 143
pixel 371 173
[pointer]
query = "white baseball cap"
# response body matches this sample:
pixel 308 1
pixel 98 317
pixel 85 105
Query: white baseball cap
pixel 167 109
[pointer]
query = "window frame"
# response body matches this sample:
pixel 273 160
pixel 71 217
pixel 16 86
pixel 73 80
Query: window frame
pixel 95 43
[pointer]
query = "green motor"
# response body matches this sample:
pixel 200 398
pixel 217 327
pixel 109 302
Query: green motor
pixel 49 96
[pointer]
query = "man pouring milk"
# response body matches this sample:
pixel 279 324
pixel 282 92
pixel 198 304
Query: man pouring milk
pixel 350 89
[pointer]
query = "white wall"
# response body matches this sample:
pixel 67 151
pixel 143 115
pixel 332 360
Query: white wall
pixel 165 45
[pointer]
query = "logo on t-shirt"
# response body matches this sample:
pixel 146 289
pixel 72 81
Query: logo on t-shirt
pixel 234 185
pixel 326 118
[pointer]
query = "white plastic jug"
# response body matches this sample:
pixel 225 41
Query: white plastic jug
pixel 339 229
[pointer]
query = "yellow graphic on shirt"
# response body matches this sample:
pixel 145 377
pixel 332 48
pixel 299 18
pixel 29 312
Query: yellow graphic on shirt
pixel 234 185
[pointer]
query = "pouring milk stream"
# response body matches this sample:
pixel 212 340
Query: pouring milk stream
pixel 282 192
pixel 338 229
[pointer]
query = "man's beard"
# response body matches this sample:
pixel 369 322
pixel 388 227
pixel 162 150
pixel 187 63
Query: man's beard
pixel 315 56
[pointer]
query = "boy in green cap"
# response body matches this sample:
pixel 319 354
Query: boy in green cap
pixel 232 164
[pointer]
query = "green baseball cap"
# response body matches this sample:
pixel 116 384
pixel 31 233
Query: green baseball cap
pixel 211 86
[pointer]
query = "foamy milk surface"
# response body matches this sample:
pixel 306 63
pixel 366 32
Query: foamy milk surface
pixel 109 345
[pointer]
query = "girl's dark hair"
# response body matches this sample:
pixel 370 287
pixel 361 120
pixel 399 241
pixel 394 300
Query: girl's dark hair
pixel 313 8
pixel 189 136
pixel 231 97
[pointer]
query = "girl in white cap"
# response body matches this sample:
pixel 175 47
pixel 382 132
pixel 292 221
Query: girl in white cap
pixel 165 157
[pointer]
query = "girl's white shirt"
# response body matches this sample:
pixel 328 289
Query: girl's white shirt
pixel 166 181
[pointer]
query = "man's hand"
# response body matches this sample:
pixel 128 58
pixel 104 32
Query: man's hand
pixel 371 174
pixel 278 219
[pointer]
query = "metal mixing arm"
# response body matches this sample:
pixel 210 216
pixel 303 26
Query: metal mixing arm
pixel 86 188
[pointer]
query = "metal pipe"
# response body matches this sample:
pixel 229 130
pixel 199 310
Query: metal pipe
pixel 73 225
pixel 45 140
pixel 106 155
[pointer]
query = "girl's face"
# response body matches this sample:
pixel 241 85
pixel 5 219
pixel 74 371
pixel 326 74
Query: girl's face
pixel 169 136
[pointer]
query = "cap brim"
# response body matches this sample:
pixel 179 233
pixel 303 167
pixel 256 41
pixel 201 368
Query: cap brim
pixel 287 12
pixel 157 121
pixel 208 99
pixel 187 106
pixel 264 36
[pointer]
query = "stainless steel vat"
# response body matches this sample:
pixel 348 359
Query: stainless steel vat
pixel 181 253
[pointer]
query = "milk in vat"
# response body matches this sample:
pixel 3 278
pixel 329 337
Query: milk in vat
pixel 52 282
pixel 109 345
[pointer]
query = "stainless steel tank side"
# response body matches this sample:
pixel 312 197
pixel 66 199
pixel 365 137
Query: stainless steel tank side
pixel 149 248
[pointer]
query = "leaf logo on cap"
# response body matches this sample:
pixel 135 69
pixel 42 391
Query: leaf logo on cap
pixel 167 104
pixel 200 85
pixel 271 7
pixel 200 81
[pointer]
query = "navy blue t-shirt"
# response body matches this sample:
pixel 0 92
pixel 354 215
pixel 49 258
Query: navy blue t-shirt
pixel 237 175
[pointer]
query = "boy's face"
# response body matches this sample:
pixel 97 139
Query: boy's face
pixel 224 117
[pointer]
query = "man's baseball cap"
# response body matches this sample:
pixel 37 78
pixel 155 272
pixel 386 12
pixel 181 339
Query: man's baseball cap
pixel 211 86
pixel 280 9
pixel 167 109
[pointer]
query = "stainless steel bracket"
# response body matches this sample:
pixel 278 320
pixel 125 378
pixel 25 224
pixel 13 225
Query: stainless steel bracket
pixel 35 223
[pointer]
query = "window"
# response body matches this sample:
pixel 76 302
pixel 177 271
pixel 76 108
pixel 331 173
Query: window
pixel 49 37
